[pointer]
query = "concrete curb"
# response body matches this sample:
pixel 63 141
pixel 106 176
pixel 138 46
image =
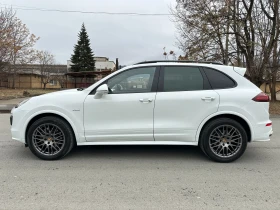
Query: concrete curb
pixel 274 116
pixel 6 108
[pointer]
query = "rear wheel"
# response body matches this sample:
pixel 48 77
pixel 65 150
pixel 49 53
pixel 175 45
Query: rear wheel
pixel 50 138
pixel 223 140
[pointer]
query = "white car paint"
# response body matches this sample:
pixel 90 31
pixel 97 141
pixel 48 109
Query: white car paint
pixel 178 114
pixel 171 118
pixel 120 117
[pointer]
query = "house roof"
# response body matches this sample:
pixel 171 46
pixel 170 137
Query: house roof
pixel 89 73
pixel 36 69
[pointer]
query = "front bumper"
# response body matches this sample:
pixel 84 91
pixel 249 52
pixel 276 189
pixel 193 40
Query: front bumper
pixel 17 120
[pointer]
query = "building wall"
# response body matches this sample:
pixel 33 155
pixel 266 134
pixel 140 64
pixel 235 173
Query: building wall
pixel 265 87
pixel 101 59
pixel 29 81
pixel 21 81
pixel 101 63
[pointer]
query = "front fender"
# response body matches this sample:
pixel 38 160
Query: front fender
pixel 74 120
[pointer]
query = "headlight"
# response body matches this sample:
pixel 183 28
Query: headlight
pixel 21 103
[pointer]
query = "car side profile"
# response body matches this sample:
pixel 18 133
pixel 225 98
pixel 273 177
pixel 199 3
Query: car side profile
pixel 150 103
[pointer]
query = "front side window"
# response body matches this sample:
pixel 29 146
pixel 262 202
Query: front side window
pixel 137 80
pixel 182 78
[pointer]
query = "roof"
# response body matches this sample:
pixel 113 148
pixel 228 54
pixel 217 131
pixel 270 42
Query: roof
pixel 36 69
pixel 88 73
pixel 37 72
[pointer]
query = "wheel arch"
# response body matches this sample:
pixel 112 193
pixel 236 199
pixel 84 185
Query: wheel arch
pixel 241 119
pixel 48 114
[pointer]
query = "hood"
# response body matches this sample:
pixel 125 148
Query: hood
pixel 57 95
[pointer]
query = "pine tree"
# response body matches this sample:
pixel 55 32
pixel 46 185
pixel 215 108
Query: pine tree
pixel 82 58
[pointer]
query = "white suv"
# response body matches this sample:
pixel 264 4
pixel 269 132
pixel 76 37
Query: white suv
pixel 150 103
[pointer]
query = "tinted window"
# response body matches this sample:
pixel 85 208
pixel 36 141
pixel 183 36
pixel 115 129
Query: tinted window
pixel 177 78
pixel 218 80
pixel 133 81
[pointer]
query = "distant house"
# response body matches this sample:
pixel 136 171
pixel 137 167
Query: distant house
pixel 101 64
pixel 103 67
pixel 265 87
pixel 29 76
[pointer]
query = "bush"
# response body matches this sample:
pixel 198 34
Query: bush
pixel 26 93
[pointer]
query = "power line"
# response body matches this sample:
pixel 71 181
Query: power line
pixel 84 12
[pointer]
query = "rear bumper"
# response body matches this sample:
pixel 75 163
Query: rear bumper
pixel 262 133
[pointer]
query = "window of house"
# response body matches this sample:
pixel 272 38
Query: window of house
pixel 53 82
pixel 137 80
pixel 182 78
pixel 219 80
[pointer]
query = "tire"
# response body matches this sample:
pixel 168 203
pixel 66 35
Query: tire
pixel 50 138
pixel 228 140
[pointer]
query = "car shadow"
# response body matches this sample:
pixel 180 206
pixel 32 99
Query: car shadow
pixel 138 152
pixel 142 152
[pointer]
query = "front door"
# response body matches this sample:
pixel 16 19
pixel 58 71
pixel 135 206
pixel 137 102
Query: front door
pixel 126 112
pixel 183 101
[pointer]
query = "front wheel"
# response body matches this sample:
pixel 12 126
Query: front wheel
pixel 223 140
pixel 50 138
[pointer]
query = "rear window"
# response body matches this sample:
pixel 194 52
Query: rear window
pixel 219 80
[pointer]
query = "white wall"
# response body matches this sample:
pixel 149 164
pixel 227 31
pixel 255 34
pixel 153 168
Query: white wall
pixel 100 64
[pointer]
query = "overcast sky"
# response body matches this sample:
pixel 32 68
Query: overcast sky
pixel 129 38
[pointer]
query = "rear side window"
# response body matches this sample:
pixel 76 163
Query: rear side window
pixel 218 80
pixel 182 78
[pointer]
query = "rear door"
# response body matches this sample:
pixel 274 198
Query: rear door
pixel 183 101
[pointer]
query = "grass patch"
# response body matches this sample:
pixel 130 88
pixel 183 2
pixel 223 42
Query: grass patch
pixel 7 93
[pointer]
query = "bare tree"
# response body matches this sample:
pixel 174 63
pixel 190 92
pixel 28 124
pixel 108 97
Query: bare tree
pixel 22 42
pixel 242 32
pixel 203 28
pixel 273 71
pixel 6 24
pixel 61 78
pixel 256 30
pixel 46 61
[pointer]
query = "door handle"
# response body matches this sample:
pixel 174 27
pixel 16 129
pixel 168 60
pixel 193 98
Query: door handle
pixel 208 98
pixel 145 100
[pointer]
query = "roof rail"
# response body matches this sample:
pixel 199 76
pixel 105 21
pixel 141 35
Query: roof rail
pixel 179 61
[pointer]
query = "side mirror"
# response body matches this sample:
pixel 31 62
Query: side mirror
pixel 101 90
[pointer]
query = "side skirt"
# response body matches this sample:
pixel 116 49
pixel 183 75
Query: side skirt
pixel 139 143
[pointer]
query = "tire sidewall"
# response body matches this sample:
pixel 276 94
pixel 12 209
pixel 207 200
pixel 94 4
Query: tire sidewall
pixel 214 124
pixel 65 128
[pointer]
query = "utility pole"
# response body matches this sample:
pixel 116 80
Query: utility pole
pixel 117 64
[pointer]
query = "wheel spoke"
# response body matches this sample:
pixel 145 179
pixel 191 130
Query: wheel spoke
pixel 48 139
pixel 225 141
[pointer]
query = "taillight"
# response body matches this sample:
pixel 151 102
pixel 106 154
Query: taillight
pixel 262 97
